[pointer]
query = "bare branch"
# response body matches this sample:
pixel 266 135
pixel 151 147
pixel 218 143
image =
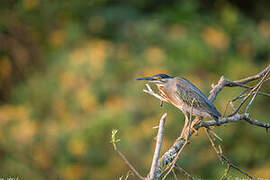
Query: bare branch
pixel 217 88
pixel 235 118
pixel 225 82
pixel 256 122
pixel 129 165
pixel 151 92
pixel 213 145
pixel 174 175
pixel 158 147
pixel 251 87
pixel 184 172
pixel 221 156
pixel 170 155
pixel 174 161
pixel 247 96
pixel 114 142
pixel 236 167
pixel 254 77
pixel 224 177
pixel 259 86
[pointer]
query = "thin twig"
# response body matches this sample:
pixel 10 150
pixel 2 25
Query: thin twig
pixel 213 145
pixel 245 99
pixel 225 82
pixel 241 95
pixel 114 141
pixel 234 99
pixel 174 161
pixel 151 92
pixel 212 132
pixel 260 85
pixel 130 165
pixel 158 147
pixel 224 158
pixel 174 175
pixel 184 172
pixel 251 87
pixel 129 173
pixel 254 77
pixel 224 177
pixel 235 118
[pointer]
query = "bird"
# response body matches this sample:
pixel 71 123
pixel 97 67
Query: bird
pixel 184 95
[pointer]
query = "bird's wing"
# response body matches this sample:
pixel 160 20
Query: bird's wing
pixel 189 92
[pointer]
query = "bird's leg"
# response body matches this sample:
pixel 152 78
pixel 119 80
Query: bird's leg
pixel 184 135
pixel 190 117
pixel 190 124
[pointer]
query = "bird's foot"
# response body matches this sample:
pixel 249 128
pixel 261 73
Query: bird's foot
pixel 196 122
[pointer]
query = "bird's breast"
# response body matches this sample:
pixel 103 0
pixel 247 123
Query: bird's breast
pixel 170 97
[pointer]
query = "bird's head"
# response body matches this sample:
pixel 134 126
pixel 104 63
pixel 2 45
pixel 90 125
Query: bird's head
pixel 158 79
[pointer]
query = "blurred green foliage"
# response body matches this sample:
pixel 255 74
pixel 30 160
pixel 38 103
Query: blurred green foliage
pixel 67 72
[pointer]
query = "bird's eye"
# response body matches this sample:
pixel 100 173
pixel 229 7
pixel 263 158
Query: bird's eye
pixel 158 77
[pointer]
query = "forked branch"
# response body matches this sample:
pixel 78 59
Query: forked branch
pixel 167 162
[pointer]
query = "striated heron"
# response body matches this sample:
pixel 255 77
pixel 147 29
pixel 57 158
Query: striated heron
pixel 184 95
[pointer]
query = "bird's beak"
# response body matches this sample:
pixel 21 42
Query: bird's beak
pixel 147 79
pixel 150 79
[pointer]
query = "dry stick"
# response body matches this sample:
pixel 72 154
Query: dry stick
pixel 129 165
pixel 236 167
pixel 251 87
pixel 254 77
pixel 256 122
pixel 214 134
pixel 234 99
pixel 174 161
pixel 174 175
pixel 245 99
pixel 224 158
pixel 114 142
pixel 212 143
pixel 184 172
pixel 158 147
pixel 225 82
pixel 260 85
pixel 224 177
pixel 129 173
pixel 151 92
pixel 239 97
pixel 234 118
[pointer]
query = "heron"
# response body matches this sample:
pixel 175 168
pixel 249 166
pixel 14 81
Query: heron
pixel 184 95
